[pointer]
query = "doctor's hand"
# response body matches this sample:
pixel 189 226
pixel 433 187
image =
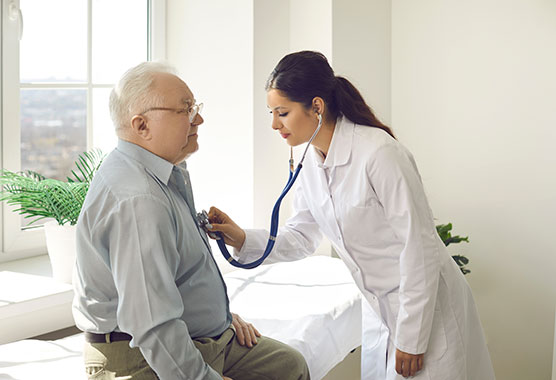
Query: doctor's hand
pixel 408 364
pixel 232 233
pixel 246 333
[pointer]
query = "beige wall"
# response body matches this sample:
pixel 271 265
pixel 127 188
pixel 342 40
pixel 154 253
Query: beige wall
pixel 474 98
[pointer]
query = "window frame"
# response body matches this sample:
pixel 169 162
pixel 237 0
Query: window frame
pixel 16 243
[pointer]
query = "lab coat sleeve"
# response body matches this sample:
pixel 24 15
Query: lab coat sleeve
pixel 150 305
pixel 297 239
pixel 393 175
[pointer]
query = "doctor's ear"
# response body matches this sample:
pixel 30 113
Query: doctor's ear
pixel 318 105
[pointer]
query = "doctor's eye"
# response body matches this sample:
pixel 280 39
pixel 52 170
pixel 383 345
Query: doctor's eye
pixel 283 114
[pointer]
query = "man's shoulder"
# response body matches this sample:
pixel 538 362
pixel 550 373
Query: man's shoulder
pixel 122 178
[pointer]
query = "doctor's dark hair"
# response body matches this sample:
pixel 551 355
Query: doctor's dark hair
pixel 304 75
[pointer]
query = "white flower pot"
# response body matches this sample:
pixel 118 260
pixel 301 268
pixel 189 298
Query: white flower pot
pixel 60 242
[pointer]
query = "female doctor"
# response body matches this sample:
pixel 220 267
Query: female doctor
pixel 360 188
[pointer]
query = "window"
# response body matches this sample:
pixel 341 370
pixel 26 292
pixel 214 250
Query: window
pixel 60 60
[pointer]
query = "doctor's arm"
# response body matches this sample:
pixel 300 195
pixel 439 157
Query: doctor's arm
pixel 398 185
pixel 297 239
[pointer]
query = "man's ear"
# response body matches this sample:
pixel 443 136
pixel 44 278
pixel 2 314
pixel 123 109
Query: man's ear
pixel 140 128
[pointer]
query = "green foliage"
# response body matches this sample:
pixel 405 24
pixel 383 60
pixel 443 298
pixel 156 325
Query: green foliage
pixel 445 233
pixel 39 197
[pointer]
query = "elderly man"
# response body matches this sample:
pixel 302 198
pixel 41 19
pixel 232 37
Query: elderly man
pixel 148 293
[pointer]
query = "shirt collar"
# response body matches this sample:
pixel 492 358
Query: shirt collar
pixel 340 145
pixel 161 168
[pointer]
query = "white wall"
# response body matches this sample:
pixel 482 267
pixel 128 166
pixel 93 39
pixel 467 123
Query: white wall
pixel 361 50
pixel 311 26
pixel 474 98
pixel 270 171
pixel 211 44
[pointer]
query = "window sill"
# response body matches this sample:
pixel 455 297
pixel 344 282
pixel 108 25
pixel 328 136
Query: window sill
pixel 31 301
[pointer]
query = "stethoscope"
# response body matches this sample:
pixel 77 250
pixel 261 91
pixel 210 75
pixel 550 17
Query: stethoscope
pixel 204 223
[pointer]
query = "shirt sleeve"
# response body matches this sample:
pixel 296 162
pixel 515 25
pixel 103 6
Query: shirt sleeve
pixel 396 181
pixel 141 240
pixel 297 239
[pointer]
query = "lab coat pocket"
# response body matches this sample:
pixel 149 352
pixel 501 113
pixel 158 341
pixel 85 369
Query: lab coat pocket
pixel 437 342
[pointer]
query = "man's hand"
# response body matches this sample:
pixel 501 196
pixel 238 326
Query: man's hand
pixel 227 378
pixel 246 333
pixel 232 233
pixel 408 364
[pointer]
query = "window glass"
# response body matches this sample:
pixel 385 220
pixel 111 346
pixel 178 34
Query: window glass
pixel 54 42
pixel 104 135
pixel 66 70
pixel 53 130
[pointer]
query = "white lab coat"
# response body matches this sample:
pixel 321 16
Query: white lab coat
pixel 367 198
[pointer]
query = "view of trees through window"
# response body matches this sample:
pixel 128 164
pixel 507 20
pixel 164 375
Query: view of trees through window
pixel 71 54
pixel 53 130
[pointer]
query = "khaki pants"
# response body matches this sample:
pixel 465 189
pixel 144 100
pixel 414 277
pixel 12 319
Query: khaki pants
pixel 267 360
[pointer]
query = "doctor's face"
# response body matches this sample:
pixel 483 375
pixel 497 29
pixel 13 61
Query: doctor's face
pixel 295 123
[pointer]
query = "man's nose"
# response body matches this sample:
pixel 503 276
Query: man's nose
pixel 198 120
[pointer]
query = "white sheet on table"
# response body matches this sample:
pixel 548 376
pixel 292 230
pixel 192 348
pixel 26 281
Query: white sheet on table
pixel 312 305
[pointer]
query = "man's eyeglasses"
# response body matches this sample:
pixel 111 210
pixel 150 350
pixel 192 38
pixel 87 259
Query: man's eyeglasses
pixel 192 111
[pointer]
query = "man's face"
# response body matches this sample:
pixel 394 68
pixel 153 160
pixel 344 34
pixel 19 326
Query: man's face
pixel 173 137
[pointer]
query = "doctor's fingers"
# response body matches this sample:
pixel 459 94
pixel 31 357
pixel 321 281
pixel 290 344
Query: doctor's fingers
pixel 232 234
pixel 408 366
pixel 414 367
pixel 218 216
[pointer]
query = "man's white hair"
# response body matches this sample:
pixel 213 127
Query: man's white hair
pixel 133 92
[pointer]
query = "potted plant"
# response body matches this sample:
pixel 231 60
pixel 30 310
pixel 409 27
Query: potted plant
pixel 444 230
pixel 38 197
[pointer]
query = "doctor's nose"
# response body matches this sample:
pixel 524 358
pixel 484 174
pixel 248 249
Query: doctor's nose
pixel 276 123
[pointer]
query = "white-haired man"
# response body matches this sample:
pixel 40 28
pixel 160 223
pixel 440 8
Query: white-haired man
pixel 148 293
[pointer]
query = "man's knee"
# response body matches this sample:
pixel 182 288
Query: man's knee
pixel 295 365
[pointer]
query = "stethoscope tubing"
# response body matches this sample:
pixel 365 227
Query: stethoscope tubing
pixel 273 229
pixel 274 218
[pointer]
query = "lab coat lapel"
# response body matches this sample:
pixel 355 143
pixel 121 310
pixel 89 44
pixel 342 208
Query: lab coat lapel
pixel 323 206
pixel 339 154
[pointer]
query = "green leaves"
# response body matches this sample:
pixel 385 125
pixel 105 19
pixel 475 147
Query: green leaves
pixel 38 197
pixel 462 261
pixel 87 165
pixel 444 231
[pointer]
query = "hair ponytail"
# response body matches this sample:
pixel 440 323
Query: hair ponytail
pixel 304 75
pixel 350 103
